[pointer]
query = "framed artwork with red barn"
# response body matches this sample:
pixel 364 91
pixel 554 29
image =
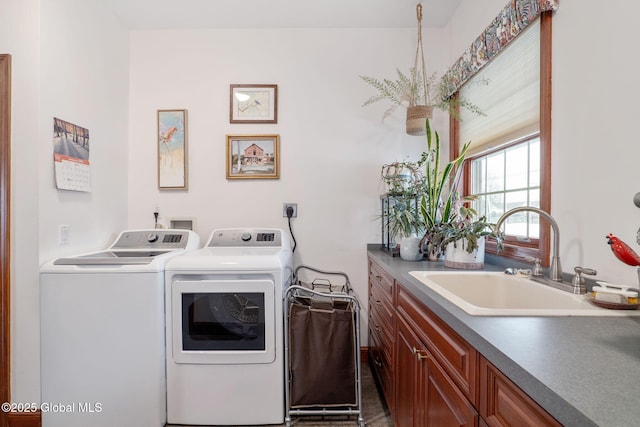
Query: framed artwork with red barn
pixel 253 156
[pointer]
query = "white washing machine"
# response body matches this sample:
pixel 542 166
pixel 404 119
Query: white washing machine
pixel 102 332
pixel 225 363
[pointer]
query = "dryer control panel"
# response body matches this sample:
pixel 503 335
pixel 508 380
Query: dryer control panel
pixel 239 237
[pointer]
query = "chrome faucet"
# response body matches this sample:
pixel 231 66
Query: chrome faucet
pixel 555 268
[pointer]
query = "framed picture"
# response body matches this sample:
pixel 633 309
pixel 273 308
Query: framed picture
pixel 253 104
pixel 172 150
pixel 253 156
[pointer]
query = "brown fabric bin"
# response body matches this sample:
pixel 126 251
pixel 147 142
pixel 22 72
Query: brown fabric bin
pixel 322 354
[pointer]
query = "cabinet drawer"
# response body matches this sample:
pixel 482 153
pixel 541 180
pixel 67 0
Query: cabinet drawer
pixel 381 321
pixel 455 355
pixel 381 280
pixel 502 403
pixel 380 361
pixel 379 305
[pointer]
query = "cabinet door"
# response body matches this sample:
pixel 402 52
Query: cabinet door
pixel 457 357
pixel 425 395
pixel 444 404
pixel 407 371
pixel 502 403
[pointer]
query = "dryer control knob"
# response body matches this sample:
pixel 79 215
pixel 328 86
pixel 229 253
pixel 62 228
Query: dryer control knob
pixel 152 237
pixel 246 237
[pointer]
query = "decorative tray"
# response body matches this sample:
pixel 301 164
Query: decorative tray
pixel 611 305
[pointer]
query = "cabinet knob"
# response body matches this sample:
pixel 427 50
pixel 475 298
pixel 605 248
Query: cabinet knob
pixel 379 303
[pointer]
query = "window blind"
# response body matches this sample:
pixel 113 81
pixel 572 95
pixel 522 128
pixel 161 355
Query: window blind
pixel 507 90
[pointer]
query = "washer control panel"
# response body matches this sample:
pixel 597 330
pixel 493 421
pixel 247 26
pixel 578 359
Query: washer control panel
pixel 238 237
pixel 156 238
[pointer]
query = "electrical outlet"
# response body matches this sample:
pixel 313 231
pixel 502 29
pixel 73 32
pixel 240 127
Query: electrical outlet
pixel 63 234
pixel 292 205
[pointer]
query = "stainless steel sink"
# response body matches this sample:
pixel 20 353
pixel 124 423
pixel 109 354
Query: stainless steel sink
pixel 497 294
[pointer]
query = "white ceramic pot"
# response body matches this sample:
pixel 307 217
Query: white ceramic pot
pixel 410 248
pixel 456 255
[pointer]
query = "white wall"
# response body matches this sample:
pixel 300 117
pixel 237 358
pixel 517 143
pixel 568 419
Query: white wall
pixel 84 80
pixel 595 171
pixel 70 60
pixel 19 36
pixel 596 154
pixel 332 149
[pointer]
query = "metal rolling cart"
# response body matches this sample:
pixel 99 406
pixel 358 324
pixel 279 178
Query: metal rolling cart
pixel 322 346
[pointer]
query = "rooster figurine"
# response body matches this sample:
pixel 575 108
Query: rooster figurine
pixel 622 251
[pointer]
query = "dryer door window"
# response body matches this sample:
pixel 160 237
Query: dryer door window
pixel 223 321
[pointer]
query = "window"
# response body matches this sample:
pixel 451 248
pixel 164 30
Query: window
pixel 508 164
pixel 507 178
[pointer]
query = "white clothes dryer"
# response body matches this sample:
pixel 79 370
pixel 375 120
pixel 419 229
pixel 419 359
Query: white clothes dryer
pixel 102 332
pixel 225 360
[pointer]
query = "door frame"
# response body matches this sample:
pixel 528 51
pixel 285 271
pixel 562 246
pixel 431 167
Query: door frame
pixel 5 231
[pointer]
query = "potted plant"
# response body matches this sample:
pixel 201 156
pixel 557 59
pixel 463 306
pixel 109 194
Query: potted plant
pixel 463 238
pixel 405 183
pixel 418 95
pixel 411 92
pixel 451 227
pixel 440 192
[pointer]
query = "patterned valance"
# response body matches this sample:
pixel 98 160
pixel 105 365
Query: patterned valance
pixel 511 21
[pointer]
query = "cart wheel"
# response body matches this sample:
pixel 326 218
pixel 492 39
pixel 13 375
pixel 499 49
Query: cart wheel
pixel 287 422
pixel 360 422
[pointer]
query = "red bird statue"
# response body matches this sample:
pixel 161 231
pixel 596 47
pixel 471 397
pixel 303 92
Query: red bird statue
pixel 622 251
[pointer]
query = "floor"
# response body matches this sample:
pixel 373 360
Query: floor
pixel 374 411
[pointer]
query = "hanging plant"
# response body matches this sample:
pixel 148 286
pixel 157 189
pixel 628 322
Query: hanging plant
pixel 417 92
pixel 406 92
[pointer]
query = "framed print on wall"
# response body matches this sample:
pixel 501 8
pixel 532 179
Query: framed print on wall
pixel 253 104
pixel 172 150
pixel 253 156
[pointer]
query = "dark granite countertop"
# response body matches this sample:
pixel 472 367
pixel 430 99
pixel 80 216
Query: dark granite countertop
pixel 583 370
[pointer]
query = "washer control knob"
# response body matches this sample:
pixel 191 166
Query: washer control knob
pixel 152 237
pixel 246 237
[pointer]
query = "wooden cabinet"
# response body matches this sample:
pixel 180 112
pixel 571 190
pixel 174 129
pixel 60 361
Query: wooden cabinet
pixel 381 329
pixel 425 394
pixel 502 403
pixel 406 375
pixel 443 402
pixel 457 357
pixel 429 375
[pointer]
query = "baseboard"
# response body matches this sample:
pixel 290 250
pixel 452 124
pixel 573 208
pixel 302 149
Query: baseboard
pixel 24 419
pixel 364 354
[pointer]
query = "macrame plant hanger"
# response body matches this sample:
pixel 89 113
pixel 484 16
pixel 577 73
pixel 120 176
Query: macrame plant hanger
pixel 418 111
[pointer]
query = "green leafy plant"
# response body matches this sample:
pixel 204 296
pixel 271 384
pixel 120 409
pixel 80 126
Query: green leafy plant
pixel 405 182
pixel 447 218
pixel 466 229
pixel 411 90
pixel 404 216
pixel 441 192
pixel 406 91
pixel 403 176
